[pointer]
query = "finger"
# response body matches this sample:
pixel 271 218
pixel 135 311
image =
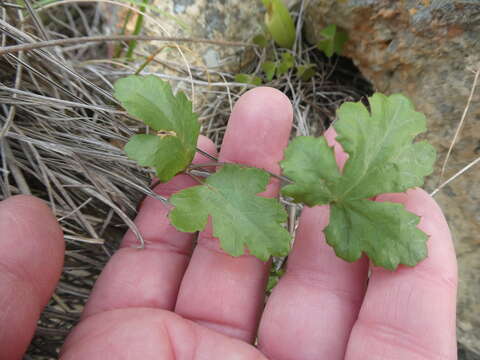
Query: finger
pixel 148 277
pixel 219 291
pixel 140 333
pixel 410 313
pixel 318 299
pixel 31 261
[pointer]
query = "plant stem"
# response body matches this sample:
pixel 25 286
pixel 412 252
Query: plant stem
pixel 119 48
pixel 217 163
pixel 136 31
pixel 149 60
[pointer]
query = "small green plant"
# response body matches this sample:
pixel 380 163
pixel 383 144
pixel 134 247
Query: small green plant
pixel 279 68
pixel 382 158
pixel 248 79
pixel 284 66
pixel 273 279
pixel 306 72
pixel 333 40
pixel 280 26
pixel 260 40
pixel 269 68
pixel 279 23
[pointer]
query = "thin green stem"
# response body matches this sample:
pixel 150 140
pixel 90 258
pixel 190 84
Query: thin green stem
pixel 137 30
pixel 217 163
pixel 119 47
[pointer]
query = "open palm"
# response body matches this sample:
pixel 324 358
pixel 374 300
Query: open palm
pixel 174 300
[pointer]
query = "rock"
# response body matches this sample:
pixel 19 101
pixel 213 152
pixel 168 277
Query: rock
pixel 427 50
pixel 224 20
pixel 229 20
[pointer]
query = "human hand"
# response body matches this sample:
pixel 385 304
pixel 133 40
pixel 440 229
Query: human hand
pixel 173 301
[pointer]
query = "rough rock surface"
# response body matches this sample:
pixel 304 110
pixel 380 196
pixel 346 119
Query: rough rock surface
pixel 427 50
pixel 229 20
pixel 232 20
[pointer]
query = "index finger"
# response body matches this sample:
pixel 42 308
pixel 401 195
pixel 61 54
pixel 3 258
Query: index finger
pixel 148 277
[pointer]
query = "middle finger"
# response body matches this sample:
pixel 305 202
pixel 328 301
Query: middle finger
pixel 219 291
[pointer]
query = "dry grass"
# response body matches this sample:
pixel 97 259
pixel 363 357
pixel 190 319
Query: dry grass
pixel 62 133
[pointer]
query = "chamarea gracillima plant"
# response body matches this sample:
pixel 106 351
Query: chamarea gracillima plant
pixel 382 158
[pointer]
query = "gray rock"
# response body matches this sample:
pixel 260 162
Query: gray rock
pixel 231 20
pixel 224 20
pixel 428 51
pixel 228 20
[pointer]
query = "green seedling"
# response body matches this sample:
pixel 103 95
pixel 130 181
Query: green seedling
pixel 333 40
pixel 382 158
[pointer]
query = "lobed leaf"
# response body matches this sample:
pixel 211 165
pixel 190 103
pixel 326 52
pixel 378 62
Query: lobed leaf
pixel 385 231
pixel 382 158
pixel 166 155
pixel 333 40
pixel 311 164
pixel 269 68
pixel 248 79
pixel 286 64
pixel 152 101
pixel 306 72
pixel 240 218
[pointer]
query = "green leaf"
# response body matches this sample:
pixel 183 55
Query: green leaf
pixel 279 23
pixel 311 164
pixel 382 158
pixel 334 39
pixel 166 155
pixel 152 101
pixel 306 72
pixel 248 79
pixel 286 64
pixel 240 218
pixel 260 40
pixel 273 279
pixel 269 68
pixel 385 231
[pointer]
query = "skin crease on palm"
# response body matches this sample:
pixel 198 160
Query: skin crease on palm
pixel 174 301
